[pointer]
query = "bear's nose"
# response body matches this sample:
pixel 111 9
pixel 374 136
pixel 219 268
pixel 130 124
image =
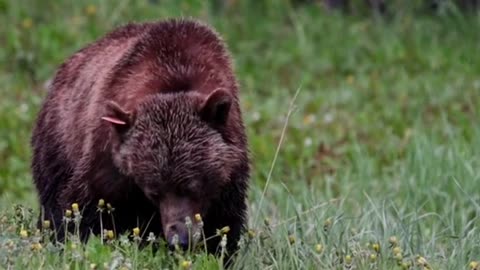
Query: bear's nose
pixel 177 235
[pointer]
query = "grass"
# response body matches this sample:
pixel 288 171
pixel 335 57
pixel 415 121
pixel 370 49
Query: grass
pixel 383 140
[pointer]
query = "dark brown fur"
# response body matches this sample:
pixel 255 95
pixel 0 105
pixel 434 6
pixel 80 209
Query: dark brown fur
pixel 173 85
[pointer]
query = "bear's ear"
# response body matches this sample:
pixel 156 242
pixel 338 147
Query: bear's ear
pixel 216 107
pixel 118 117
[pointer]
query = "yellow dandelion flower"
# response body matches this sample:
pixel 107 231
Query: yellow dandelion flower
pixel 376 247
pixel 373 257
pixel 405 265
pixel 101 203
pixel 91 10
pixel 224 230
pixel 136 231
pixel 267 222
pixel 318 248
pixel 186 264
pixel 398 256
pixel 46 224
pixel 348 259
pixel 27 23
pixel 393 240
pixel 198 218
pixel 421 260
pixel 251 233
pixel 397 250
pixel 23 234
pixel 36 247
pixel 327 224
pixel 75 207
pixel 474 265
pixel 110 234
pixel 68 213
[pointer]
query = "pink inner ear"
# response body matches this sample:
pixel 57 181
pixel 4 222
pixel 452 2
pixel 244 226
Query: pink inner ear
pixel 114 120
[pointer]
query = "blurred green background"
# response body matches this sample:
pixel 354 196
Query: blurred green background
pixel 385 124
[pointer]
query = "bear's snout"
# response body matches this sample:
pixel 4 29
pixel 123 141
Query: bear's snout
pixel 177 234
pixel 177 215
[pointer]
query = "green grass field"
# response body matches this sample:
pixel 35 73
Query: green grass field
pixel 374 165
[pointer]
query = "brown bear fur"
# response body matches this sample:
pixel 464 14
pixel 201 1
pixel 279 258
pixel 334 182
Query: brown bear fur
pixel 146 113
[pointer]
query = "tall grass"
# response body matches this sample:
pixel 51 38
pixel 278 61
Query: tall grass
pixel 375 167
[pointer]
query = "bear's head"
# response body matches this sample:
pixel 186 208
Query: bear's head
pixel 174 149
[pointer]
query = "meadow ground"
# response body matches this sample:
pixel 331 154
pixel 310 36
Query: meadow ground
pixel 374 166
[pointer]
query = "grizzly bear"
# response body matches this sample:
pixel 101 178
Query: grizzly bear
pixel 147 118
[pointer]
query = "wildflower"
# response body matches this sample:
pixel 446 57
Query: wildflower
pixel 91 10
pixel 36 247
pixel 93 266
pixel 474 265
pixel 423 262
pixel 348 259
pixel 398 256
pixel 327 224
pixel 198 218
pixel 101 203
pixel 136 231
pixel 151 237
pixel 318 248
pixel 251 233
pixel 186 264
pixel 73 246
pixel 373 257
pixel 23 234
pixel 109 234
pixel 393 241
pixel 75 208
pixel 68 213
pixel 397 250
pixel 267 222
pixel 376 247
pixel 406 265
pixel 223 230
pixel 199 221
pixel 46 224
pixel 27 23
pixel 110 208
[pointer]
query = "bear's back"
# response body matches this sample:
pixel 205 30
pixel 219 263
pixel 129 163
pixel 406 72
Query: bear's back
pixel 125 66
